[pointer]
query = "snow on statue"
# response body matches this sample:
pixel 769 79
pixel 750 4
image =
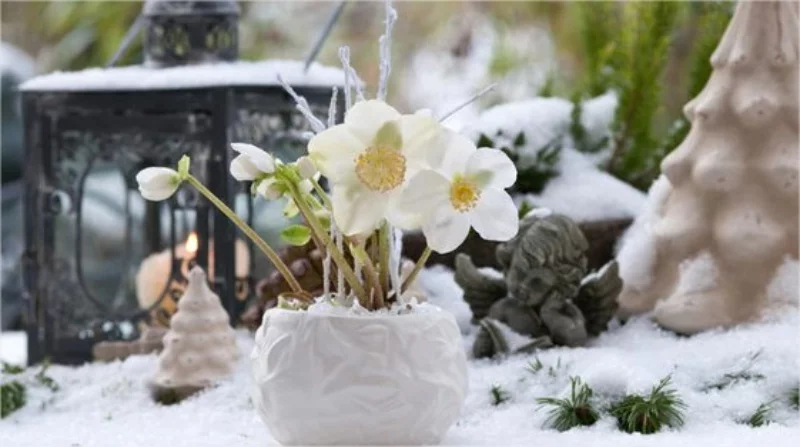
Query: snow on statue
pixel 721 234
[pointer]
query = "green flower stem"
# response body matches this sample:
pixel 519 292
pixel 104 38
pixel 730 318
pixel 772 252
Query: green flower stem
pixel 322 194
pixel 383 247
pixel 417 268
pixel 337 255
pixel 371 274
pixel 249 232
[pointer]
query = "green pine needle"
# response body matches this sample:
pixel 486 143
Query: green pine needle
pixel 649 414
pixel 535 366
pixel 12 397
pixel 761 416
pixel 794 398
pixel 575 411
pixel 10 369
pixel 499 395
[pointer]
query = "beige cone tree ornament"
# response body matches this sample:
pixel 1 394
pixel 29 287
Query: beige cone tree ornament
pixel 724 221
pixel 200 346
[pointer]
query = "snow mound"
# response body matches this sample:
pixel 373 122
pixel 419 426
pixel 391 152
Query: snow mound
pixel 581 190
pixel 112 401
pixel 636 253
pixel 138 77
pixel 584 193
pixel 16 62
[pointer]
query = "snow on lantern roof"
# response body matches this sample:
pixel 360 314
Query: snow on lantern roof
pixel 138 77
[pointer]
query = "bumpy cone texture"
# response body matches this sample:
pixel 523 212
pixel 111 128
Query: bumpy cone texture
pixel 733 194
pixel 200 347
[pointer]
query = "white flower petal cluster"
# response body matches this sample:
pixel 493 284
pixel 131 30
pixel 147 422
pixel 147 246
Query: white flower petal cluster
pixel 368 160
pixel 467 190
pixel 157 184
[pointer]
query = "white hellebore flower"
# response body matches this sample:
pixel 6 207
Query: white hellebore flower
pixel 369 158
pixel 158 183
pixel 467 190
pixel 251 162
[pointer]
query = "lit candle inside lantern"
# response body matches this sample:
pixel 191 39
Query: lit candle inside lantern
pixel 154 276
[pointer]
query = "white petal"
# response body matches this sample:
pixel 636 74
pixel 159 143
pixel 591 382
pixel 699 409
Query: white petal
pixel 457 151
pixel 366 117
pixel 446 230
pixel 259 157
pixel 243 170
pixel 426 191
pixel 423 140
pixel 357 209
pixel 157 183
pixel 492 168
pixel 334 151
pixel 495 217
pixel 268 188
pixel 306 167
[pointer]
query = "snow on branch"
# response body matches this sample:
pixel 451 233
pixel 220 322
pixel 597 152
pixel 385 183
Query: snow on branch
pixel 351 75
pixel 469 101
pixel 385 47
pixel 332 108
pixel 302 105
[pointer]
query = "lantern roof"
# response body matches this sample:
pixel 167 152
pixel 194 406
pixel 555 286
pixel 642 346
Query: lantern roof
pixel 140 77
pixel 190 7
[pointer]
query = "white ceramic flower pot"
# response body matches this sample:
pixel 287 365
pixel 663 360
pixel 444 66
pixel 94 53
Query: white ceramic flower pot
pixel 323 379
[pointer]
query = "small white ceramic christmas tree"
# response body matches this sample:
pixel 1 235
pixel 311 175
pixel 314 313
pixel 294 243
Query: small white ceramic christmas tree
pixel 200 347
pixel 725 218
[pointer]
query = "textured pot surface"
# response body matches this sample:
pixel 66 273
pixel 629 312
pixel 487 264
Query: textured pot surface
pixel 322 379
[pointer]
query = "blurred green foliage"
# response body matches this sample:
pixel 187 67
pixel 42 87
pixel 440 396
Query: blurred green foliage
pixel 654 54
pixel 631 48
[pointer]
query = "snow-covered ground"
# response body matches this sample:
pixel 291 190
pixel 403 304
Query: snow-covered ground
pixel 109 404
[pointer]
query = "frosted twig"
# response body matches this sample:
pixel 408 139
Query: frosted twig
pixel 385 51
pixel 395 248
pixel 350 75
pixel 326 265
pixel 332 108
pixel 302 105
pixel 344 56
pixel 339 272
pixel 474 98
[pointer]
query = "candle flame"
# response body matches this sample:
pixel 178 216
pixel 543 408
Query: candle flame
pixel 191 244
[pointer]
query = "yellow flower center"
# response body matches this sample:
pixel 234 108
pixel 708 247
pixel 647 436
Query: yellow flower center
pixel 464 194
pixel 381 168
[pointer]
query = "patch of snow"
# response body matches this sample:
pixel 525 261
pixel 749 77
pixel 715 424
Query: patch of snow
pixel 584 193
pixel 16 62
pixel 491 273
pixel 596 274
pixel 112 401
pixel 784 289
pixel 697 274
pixel 636 251
pixel 14 347
pixel 442 291
pixel 324 306
pixel 138 77
pixel 514 339
pixel 539 212
pixel 581 190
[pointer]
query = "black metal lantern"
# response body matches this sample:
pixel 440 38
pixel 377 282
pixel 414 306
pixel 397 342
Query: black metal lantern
pixel 86 137
pixel 188 31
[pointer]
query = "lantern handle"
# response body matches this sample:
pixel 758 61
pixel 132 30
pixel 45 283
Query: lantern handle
pixel 126 41
pixel 326 31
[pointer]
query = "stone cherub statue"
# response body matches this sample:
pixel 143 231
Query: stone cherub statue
pixel 544 293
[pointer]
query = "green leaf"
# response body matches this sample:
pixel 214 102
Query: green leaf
pixel 297 235
pixel 520 140
pixel 183 166
pixel 484 141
